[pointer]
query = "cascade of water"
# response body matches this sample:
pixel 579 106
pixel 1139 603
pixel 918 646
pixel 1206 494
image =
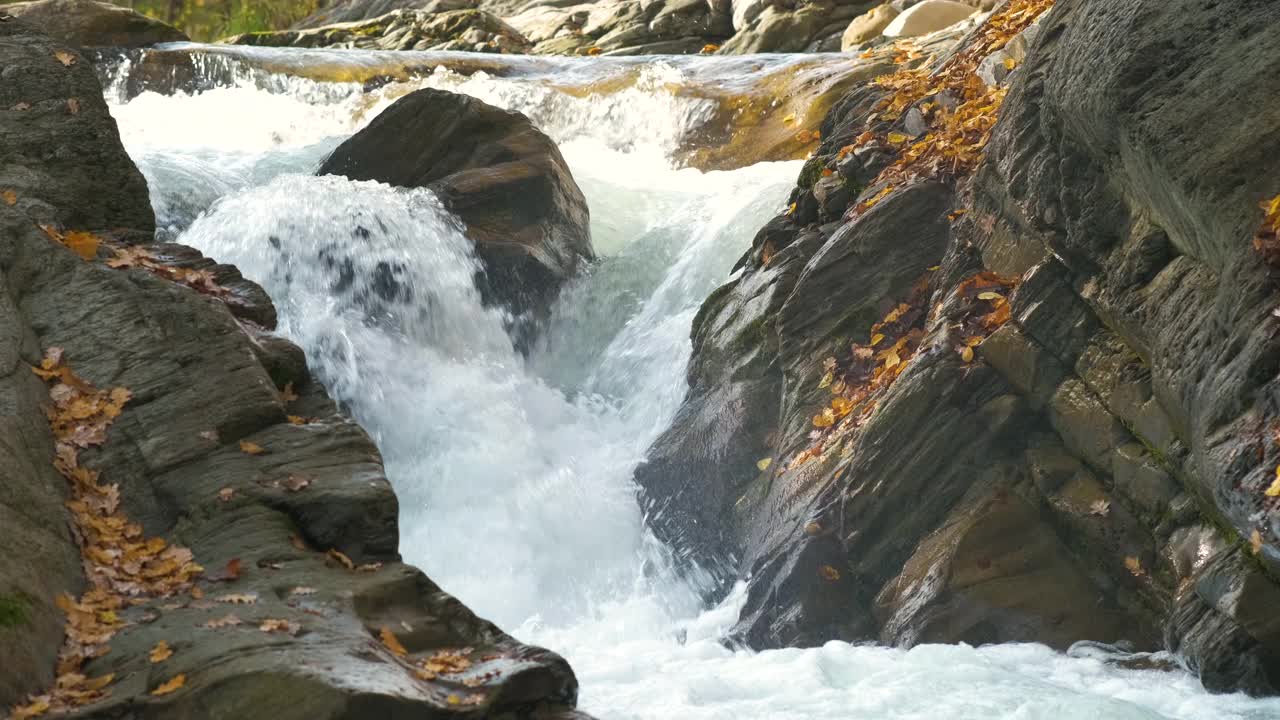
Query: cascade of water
pixel 514 473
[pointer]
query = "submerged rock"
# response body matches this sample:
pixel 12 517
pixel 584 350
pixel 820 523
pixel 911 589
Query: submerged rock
pixel 1090 460
pixel 503 177
pixel 292 518
pixel 92 24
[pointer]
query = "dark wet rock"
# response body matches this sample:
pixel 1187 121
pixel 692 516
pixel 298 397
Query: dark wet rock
pixel 91 24
pixel 502 176
pixel 205 375
pixel 1097 471
pixel 470 30
pixel 58 142
pixel 355 10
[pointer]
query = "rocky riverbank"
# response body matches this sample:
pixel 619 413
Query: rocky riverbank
pixel 192 529
pixel 1015 381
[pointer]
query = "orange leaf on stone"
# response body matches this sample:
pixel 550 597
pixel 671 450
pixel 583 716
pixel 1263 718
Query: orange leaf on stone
pixel 160 652
pixel 251 448
pixel 10 197
pixel 172 685
pixel 392 643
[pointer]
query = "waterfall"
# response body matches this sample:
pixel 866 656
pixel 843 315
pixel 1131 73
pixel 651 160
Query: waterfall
pixel 513 472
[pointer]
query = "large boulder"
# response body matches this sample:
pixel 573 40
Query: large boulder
pixel 927 17
pixel 93 24
pixel 303 608
pixel 1056 420
pixel 504 179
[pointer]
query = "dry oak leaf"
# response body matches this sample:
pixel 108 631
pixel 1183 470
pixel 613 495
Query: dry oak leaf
pixel 226 493
pixel 239 599
pixel 251 448
pixel 173 685
pixel 1134 565
pixel 73 105
pixel 161 652
pixel 222 622
pixel 1100 507
pixel 341 558
pixel 10 197
pixel 271 625
pixel 829 573
pixel 66 58
pixel 1274 490
pixel 389 639
pixel 228 574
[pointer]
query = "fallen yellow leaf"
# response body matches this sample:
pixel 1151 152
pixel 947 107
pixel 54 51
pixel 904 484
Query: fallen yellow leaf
pixel 161 652
pixel 172 685
pixel 393 644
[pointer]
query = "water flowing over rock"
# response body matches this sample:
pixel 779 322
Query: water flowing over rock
pixel 502 176
pixel 304 609
pixel 92 24
pixel 1094 469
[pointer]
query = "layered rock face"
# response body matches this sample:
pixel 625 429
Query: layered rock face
pixel 470 30
pixel 626 27
pixel 169 431
pixel 500 175
pixel 91 24
pixel 1036 402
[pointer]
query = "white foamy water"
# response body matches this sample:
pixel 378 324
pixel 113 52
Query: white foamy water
pixel 514 474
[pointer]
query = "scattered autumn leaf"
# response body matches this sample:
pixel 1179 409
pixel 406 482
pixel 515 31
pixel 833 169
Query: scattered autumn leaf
pixel 222 622
pixel 763 463
pixel 1100 507
pixel 239 598
pixel 709 48
pixel 341 558
pixel 73 106
pixel 1134 565
pixel 966 354
pixel 812 528
pixel 287 394
pixel 160 652
pixel 173 685
pixel 303 590
pixel 1274 489
pixel 1255 541
pixel 296 482
pixel 230 573
pixel 277 625
pixel 10 197
pixel 829 573
pixel 64 57
pixel 226 494
pixel 392 643
pixel 251 448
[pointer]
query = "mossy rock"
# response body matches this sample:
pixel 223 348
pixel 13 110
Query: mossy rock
pixel 13 610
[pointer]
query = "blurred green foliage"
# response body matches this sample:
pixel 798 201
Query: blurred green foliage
pixel 207 20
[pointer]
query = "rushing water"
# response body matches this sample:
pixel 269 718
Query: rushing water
pixel 514 474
